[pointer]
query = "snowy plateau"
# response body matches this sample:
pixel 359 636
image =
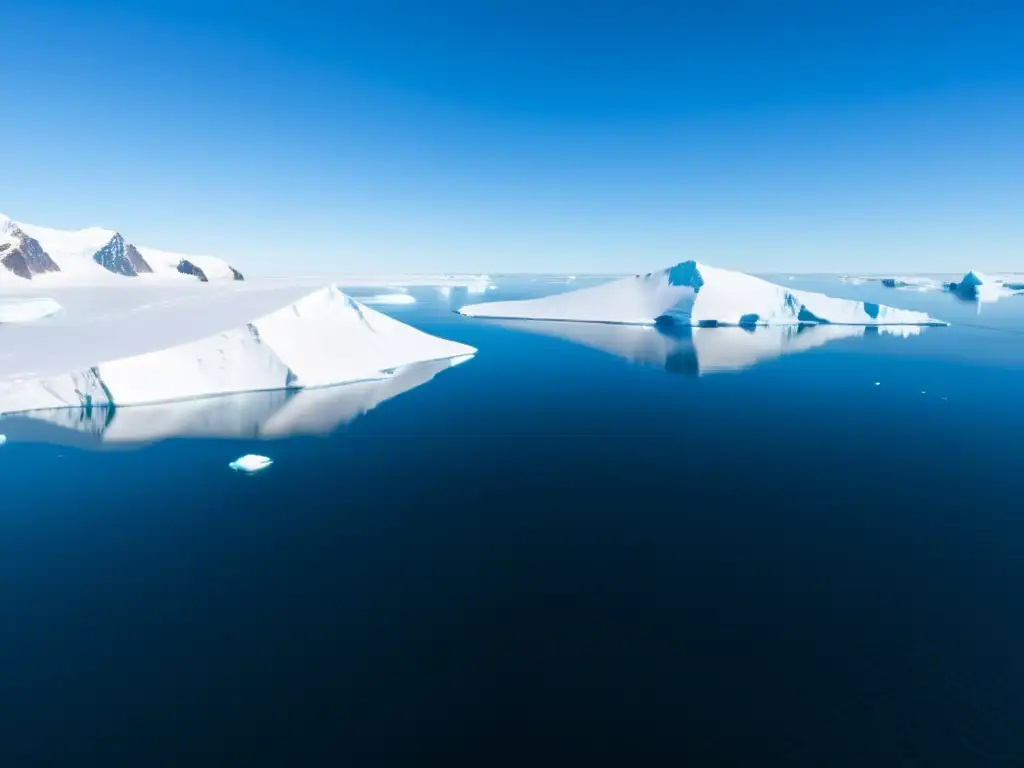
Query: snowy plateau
pixel 117 347
pixel 696 294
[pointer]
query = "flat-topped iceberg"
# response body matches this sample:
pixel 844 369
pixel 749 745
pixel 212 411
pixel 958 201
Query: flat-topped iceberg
pixel 323 339
pixel 697 294
pixel 27 310
pixel 264 415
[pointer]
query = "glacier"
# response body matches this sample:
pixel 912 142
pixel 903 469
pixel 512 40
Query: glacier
pixel 699 350
pixel 321 339
pixel 697 294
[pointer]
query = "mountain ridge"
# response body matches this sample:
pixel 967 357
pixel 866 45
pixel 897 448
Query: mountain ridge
pixel 28 251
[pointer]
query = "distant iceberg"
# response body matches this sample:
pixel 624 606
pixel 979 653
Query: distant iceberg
pixel 700 351
pixel 977 286
pixel 698 295
pixel 389 299
pixel 323 339
pixel 973 286
pixel 27 310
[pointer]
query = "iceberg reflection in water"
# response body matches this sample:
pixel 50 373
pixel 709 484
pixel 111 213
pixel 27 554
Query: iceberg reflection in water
pixel 272 414
pixel 699 351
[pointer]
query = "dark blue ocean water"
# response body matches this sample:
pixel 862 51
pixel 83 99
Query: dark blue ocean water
pixel 546 553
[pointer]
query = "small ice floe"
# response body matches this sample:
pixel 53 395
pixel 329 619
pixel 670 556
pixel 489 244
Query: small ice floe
pixel 250 463
pixel 3 439
pixel 878 383
pixel 389 298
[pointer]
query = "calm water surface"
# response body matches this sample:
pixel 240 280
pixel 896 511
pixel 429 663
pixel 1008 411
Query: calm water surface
pixel 603 549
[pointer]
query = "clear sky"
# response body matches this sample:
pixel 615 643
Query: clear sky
pixel 524 136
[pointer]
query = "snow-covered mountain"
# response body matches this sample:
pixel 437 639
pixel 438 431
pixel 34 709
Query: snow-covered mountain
pixel 699 295
pixel 94 254
pixel 23 255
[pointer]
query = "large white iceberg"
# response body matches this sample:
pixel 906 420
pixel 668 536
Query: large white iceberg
pixel 322 339
pixel 697 294
pixel 701 351
pixel 27 310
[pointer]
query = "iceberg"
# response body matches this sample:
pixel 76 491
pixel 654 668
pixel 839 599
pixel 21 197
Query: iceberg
pixel 698 350
pixel 266 415
pixel 977 286
pixel 27 310
pixel 250 463
pixel 698 295
pixel 389 299
pixel 322 339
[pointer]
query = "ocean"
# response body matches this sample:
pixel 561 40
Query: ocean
pixel 707 547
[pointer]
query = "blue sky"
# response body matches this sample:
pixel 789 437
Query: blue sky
pixel 523 136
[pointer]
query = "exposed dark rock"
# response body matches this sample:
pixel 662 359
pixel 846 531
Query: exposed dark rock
pixel 14 261
pixel 237 275
pixel 121 258
pixel 186 267
pixel 25 257
pixel 141 265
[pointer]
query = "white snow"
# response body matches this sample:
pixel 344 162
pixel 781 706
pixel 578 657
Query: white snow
pixel 388 299
pixel 266 415
pixel 250 463
pixel 73 250
pixel 27 310
pixel 700 350
pixel 698 294
pixel 162 351
pixel 165 263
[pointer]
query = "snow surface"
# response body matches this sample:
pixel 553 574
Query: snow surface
pixel 174 349
pixel 27 310
pixel 73 250
pixel 700 351
pixel 700 295
pixel 266 415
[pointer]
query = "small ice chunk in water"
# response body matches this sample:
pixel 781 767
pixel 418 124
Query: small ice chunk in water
pixel 3 439
pixel 250 463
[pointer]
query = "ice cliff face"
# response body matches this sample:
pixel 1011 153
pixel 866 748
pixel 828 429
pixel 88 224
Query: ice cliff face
pixel 121 258
pixel 323 339
pixel 23 255
pixel 699 295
